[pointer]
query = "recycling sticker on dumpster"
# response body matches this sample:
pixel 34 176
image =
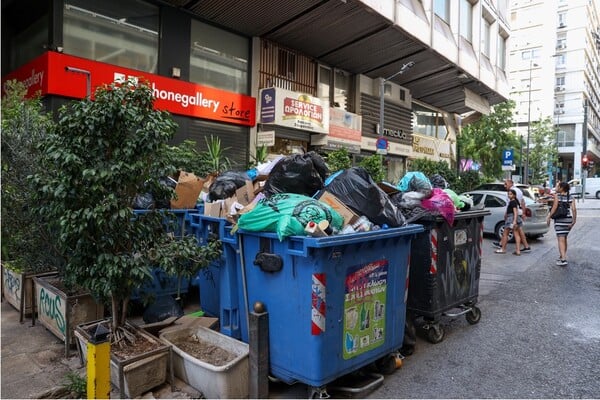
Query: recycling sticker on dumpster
pixel 365 290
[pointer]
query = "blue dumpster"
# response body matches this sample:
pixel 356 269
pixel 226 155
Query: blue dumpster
pixel 177 222
pixel 335 304
pixel 220 291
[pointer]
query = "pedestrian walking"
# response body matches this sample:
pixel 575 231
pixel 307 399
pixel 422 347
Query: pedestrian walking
pixel 510 185
pixel 564 213
pixel 513 221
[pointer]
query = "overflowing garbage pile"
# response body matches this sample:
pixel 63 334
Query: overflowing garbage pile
pixel 297 195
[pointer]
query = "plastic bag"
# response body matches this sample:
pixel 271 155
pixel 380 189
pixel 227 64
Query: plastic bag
pixel 356 189
pixel 143 201
pixel 438 181
pixel 299 173
pixel 225 185
pixel 415 182
pixel 458 203
pixel 440 202
pixel 288 214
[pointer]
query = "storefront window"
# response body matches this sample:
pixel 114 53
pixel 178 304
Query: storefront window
pixel 29 43
pixel 428 122
pixel 120 32
pixel 219 58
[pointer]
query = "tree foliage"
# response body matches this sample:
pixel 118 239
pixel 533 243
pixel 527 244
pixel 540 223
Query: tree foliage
pixel 338 160
pixel 26 243
pixel 101 154
pixel 542 151
pixel 374 167
pixel 485 139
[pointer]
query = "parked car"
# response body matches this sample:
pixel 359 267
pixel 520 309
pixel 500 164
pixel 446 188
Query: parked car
pixel 499 186
pixel 592 188
pixel 495 201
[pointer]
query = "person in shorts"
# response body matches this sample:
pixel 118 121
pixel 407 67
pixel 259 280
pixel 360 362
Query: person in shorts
pixel 513 221
pixel 562 226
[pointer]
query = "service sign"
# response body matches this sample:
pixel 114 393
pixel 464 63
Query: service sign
pixel 294 110
pixel 49 74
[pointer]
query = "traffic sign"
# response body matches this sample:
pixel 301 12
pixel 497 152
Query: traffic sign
pixel 507 157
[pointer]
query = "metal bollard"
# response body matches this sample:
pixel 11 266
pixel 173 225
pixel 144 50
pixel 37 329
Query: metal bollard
pixel 98 364
pixel 258 340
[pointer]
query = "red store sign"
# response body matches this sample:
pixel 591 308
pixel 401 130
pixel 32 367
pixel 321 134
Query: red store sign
pixel 48 75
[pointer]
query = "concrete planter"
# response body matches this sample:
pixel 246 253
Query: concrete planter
pixel 17 289
pixel 60 312
pixel 226 381
pixel 137 374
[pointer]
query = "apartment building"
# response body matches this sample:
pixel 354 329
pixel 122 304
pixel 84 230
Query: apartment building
pixel 554 70
pixel 374 76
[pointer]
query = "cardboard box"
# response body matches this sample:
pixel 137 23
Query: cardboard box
pixel 245 194
pixel 349 216
pixel 213 209
pixel 388 188
pixel 187 190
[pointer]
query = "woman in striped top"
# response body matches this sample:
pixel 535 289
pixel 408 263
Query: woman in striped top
pixel 562 226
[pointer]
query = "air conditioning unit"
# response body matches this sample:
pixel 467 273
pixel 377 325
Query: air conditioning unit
pixel 559 88
pixel 561 46
pixel 562 25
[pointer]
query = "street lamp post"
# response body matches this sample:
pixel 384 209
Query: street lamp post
pixel 526 177
pixel 382 90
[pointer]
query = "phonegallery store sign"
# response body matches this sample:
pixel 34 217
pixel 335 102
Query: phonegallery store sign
pixel 64 75
pixel 294 110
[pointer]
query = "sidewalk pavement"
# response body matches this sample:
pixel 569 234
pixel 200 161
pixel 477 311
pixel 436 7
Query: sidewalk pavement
pixel 34 366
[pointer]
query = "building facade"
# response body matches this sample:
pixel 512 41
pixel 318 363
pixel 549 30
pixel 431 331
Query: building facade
pixel 555 72
pixel 372 76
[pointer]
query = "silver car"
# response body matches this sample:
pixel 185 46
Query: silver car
pixel 496 201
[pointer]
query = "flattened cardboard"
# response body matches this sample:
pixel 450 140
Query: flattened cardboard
pixel 187 189
pixel 245 194
pixel 349 216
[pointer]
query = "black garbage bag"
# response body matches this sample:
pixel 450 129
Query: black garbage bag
pixel 438 181
pixel 143 201
pixel 299 173
pixel 355 188
pixel 225 185
pixel 163 308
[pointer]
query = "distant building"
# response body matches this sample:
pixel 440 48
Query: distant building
pixel 554 69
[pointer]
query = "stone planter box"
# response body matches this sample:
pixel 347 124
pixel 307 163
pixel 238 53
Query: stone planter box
pixel 60 312
pixel 17 290
pixel 137 374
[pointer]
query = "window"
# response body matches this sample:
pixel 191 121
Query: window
pixel 485 38
pixel 492 201
pixel 560 60
pixel 562 19
pixel 561 44
pixel 501 52
pixel 120 32
pixel 428 122
pixel 530 54
pixel 324 86
pixel 560 81
pixel 442 9
pixel 218 58
pixel 286 64
pixel 466 19
pixel 341 90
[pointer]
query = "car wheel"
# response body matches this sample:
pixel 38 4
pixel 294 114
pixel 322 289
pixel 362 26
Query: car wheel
pixel 598 194
pixel 499 231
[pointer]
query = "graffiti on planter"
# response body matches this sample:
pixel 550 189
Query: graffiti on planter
pixel 50 306
pixel 12 285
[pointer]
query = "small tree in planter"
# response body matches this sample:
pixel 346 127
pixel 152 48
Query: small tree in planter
pixel 103 153
pixel 27 246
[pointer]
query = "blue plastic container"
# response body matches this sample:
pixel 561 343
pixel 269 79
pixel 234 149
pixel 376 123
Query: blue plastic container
pixel 335 303
pixel 220 291
pixel 176 221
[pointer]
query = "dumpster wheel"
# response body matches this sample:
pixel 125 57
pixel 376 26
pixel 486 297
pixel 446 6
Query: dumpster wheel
pixel 435 333
pixel 473 316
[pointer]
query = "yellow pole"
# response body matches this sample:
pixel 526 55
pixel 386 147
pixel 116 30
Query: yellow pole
pixel 98 366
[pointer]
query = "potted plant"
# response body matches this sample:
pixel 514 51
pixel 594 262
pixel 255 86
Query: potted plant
pixel 101 154
pixel 27 246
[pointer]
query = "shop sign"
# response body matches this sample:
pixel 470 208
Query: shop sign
pixel 294 110
pixel 48 75
pixel 266 138
pixel 344 131
pixel 430 147
pixel 394 148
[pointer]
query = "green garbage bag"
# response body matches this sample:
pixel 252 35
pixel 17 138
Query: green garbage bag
pixel 287 214
pixel 458 203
